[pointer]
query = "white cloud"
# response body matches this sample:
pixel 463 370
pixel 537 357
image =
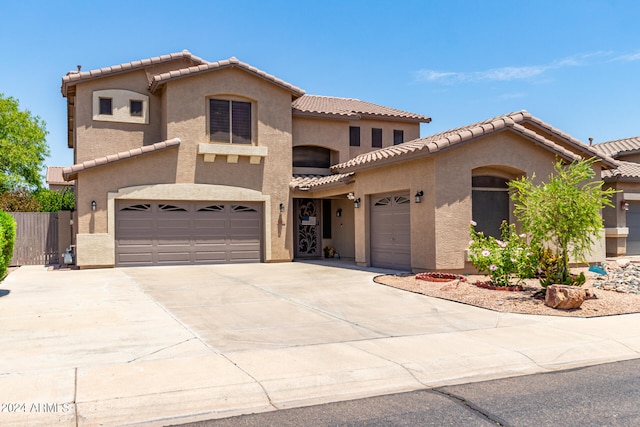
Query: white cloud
pixel 629 58
pixel 509 73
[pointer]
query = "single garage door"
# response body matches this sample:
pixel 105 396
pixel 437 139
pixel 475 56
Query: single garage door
pixel 633 222
pixel 173 233
pixel 391 231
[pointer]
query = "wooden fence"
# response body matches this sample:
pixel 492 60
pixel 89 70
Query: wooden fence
pixel 41 237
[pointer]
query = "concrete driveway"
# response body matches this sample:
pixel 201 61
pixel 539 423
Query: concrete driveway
pixel 165 345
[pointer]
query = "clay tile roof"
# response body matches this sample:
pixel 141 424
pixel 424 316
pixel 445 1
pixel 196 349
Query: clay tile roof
pixel 312 181
pixel 619 146
pixel 75 77
pixel 451 138
pixel 54 176
pixel 211 66
pixel 627 171
pixel 71 172
pixel 348 108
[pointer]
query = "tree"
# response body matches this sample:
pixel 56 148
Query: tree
pixel 564 212
pixel 54 201
pixel 23 146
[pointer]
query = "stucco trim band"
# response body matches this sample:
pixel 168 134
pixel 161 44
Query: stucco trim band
pixel 232 152
pixel 616 231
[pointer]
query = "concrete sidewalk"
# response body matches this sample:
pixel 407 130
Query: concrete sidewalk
pixel 166 345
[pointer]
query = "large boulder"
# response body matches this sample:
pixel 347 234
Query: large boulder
pixel 564 297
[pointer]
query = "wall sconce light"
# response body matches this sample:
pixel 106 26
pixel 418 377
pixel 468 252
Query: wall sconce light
pixel 339 212
pixel 418 196
pixel 281 207
pixel 356 203
pixel 624 205
pixel 93 205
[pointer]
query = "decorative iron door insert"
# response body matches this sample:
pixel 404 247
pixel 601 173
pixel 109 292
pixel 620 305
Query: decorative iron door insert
pixel 308 228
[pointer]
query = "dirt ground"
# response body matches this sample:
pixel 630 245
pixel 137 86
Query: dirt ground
pixel 606 303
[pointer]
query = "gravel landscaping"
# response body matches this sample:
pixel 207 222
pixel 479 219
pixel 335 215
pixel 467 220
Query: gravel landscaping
pixel 617 292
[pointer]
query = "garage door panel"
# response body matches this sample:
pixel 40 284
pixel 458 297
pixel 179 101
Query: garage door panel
pixel 165 233
pixel 633 223
pixel 391 231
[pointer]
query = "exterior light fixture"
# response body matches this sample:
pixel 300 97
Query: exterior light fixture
pixel 356 203
pixel 351 196
pixel 339 212
pixel 624 205
pixel 93 205
pixel 418 196
pixel 281 207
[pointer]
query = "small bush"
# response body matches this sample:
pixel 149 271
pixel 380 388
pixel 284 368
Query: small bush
pixel 54 201
pixel 7 240
pixel 19 201
pixel 504 259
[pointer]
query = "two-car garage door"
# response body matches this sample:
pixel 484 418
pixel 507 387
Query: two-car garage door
pixel 173 233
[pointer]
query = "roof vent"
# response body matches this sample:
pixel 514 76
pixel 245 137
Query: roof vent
pixel 590 140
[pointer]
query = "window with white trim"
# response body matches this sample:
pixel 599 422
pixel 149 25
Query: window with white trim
pixel 230 121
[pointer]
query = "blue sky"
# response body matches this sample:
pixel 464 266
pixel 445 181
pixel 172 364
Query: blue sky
pixel 573 64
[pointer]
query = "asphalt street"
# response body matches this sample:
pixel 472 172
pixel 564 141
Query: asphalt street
pixel 601 395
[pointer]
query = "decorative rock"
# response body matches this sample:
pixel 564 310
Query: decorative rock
pixel 623 262
pixel 564 297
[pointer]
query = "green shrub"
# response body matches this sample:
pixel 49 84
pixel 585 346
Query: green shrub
pixel 19 201
pixel 54 201
pixel 504 259
pixel 7 240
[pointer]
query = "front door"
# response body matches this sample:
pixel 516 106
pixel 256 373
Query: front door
pixel 308 243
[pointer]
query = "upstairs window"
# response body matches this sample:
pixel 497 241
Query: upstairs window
pixel 230 121
pixel 135 108
pixel 376 138
pixel 398 136
pixel 106 106
pixel 354 136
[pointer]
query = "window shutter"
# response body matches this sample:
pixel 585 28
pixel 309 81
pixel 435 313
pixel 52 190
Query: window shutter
pixel 219 120
pixel 241 122
pixel 376 137
pixel 354 136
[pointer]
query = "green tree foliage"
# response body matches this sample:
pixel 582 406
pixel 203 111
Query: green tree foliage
pixel 563 213
pixel 54 201
pixel 19 201
pixel 23 146
pixel 7 240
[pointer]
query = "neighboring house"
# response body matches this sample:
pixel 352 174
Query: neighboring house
pixel 56 181
pixel 622 222
pixel 183 161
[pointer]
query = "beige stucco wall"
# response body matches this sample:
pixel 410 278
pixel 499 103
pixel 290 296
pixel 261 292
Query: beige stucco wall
pixel 186 117
pixel 98 138
pixel 411 176
pixel 440 224
pixel 334 134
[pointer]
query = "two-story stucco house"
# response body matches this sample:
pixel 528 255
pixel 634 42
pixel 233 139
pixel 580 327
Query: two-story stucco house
pixel 178 160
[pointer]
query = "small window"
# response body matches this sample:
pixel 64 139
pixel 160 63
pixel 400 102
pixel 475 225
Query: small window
pixel 398 136
pixel 354 136
pixel 135 108
pixel 376 138
pixel 106 107
pixel 230 121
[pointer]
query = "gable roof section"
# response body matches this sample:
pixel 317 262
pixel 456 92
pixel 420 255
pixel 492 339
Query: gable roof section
pixel 619 147
pixel 441 141
pixel 232 62
pixel 626 172
pixel 71 172
pixel 76 77
pixel 54 176
pixel 350 109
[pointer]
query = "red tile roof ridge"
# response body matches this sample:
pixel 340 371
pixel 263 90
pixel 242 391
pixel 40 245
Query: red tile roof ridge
pixel 70 172
pixel 453 137
pixel 332 106
pixel 73 77
pixel 162 78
